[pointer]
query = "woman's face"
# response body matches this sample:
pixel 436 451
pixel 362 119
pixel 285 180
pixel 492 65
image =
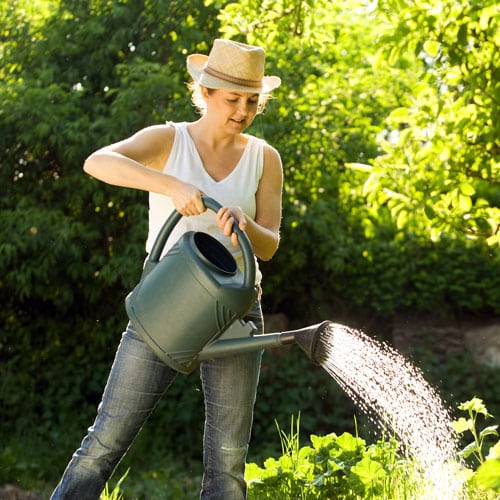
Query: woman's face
pixel 233 109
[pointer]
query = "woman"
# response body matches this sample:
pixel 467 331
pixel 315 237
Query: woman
pixel 178 163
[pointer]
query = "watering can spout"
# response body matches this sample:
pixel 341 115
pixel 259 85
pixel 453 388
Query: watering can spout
pixel 240 337
pixel 310 339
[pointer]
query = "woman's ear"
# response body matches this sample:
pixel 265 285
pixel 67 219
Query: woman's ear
pixel 204 93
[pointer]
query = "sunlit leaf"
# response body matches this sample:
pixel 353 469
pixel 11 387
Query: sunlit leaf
pixel 469 450
pixel 368 470
pixel 400 114
pixel 431 47
pixel 465 203
pixel 461 425
pixel 361 167
pixel 466 189
pixel 488 475
pixel 494 451
pixel 475 405
pixel 489 431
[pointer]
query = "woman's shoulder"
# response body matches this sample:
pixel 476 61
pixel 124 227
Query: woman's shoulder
pixel 159 136
pixel 271 153
pixel 152 144
pixel 161 130
pixel 264 144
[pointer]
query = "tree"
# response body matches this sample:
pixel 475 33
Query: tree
pixel 440 170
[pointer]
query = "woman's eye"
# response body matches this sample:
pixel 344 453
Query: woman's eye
pixel 251 102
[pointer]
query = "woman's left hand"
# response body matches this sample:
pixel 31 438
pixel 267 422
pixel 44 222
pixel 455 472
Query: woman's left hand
pixel 226 217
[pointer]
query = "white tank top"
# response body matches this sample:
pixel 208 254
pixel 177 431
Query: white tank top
pixel 237 189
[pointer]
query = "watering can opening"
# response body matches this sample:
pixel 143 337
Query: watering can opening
pixel 215 253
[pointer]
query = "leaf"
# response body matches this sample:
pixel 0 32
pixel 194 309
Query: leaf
pixel 347 442
pixel 402 219
pixel 461 425
pixel 489 431
pixel 469 450
pixel 432 47
pixel 334 466
pixel 475 405
pixel 371 184
pixel 368 471
pixel 464 203
pixel 487 14
pixel 488 475
pixel 362 167
pixel 400 114
pixel 494 451
pixel 466 189
pixel 323 441
pixel 429 212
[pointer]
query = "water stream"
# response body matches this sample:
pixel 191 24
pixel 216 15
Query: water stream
pixel 396 397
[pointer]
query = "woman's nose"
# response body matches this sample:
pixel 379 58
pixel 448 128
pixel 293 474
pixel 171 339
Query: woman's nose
pixel 244 107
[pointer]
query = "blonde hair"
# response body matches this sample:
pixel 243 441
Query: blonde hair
pixel 201 106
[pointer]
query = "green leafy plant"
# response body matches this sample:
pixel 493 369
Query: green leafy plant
pixel 487 475
pixel 333 466
pixel 474 407
pixel 346 467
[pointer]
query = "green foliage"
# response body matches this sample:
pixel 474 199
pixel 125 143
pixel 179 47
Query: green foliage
pixel 487 475
pixel 75 76
pixel 328 122
pixel 345 467
pixel 440 171
pixel 331 466
pixel 474 408
pixel 343 272
pixel 342 467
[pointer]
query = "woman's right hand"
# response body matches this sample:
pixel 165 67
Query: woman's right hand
pixel 187 199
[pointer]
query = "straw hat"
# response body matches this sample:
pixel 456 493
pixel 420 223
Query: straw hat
pixel 232 65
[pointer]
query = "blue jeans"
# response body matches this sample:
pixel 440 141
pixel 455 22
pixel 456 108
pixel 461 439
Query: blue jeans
pixel 137 381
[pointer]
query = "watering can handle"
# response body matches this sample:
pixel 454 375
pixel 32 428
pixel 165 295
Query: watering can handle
pixel 175 217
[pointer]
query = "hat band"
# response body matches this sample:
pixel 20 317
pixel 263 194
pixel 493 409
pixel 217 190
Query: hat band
pixel 232 79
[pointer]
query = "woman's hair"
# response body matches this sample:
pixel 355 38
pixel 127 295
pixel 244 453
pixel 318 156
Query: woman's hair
pixel 201 106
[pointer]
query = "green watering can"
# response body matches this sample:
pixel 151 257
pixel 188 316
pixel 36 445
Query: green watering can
pixel 188 305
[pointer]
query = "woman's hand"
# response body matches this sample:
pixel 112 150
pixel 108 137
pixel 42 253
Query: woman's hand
pixel 187 199
pixel 226 217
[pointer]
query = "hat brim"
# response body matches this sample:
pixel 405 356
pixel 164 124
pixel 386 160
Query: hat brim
pixel 196 64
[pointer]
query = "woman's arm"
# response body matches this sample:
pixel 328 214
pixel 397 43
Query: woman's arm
pixel 137 162
pixel 263 232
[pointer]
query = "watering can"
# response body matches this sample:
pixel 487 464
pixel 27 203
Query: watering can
pixel 188 304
